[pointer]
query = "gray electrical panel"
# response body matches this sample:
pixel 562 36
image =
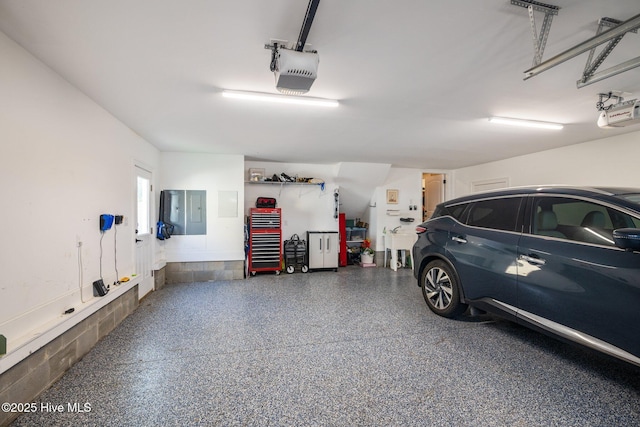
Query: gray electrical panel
pixel 196 213
pixel 186 210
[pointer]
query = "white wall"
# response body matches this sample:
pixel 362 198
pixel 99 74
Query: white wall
pixel 358 182
pixel 64 161
pixel 408 182
pixel 309 208
pixel 605 162
pixel 213 173
pixel 304 208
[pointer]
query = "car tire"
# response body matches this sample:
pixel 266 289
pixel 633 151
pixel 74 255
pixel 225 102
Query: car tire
pixel 440 289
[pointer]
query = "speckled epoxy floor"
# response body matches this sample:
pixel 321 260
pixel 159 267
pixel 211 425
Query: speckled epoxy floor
pixel 354 348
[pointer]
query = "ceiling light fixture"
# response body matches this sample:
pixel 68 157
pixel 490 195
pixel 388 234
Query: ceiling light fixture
pixel 282 99
pixel 525 123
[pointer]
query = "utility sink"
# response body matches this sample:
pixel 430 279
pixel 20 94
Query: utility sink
pixel 399 240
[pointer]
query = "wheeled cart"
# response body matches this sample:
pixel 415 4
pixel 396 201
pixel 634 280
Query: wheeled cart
pixel 265 240
pixel 295 254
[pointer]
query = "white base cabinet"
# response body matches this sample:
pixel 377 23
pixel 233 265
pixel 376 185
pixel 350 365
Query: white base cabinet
pixel 322 250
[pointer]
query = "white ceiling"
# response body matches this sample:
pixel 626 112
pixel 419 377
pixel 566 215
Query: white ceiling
pixel 416 79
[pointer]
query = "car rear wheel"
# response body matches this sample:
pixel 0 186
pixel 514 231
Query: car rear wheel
pixel 440 289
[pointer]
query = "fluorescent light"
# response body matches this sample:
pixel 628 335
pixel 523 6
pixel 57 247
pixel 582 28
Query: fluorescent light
pixel 282 99
pixel 525 123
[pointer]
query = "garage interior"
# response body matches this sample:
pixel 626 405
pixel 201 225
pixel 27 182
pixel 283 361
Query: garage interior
pixel 106 104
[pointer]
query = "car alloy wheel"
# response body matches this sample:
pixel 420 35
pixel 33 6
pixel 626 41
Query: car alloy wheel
pixel 440 289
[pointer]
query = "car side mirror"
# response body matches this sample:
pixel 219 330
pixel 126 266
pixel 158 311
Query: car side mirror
pixel 627 238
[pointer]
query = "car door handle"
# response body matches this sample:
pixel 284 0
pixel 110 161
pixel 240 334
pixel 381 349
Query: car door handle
pixel 459 239
pixel 532 259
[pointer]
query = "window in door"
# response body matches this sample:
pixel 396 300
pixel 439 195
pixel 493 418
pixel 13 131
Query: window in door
pixel 142 221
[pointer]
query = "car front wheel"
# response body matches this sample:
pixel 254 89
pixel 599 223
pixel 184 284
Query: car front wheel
pixel 440 289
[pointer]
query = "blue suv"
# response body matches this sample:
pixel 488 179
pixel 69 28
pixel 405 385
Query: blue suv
pixel 564 261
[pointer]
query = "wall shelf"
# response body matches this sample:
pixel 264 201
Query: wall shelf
pixel 286 183
pixel 282 183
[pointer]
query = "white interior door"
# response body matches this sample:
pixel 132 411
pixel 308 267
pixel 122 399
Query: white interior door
pixel 143 231
pixel 433 193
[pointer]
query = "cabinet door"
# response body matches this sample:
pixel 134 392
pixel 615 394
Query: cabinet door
pixel 316 250
pixel 330 250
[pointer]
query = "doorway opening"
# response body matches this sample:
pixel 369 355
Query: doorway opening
pixel 432 193
pixel 143 231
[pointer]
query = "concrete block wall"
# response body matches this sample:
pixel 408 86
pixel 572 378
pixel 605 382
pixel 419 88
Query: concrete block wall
pixel 25 381
pixel 160 278
pixel 206 271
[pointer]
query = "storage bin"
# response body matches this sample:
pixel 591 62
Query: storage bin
pixel 356 234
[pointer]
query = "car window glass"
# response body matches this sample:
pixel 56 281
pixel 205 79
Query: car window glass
pixel 633 197
pixel 499 214
pixel 578 220
pixel 622 220
pixel 457 211
pixel 438 212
